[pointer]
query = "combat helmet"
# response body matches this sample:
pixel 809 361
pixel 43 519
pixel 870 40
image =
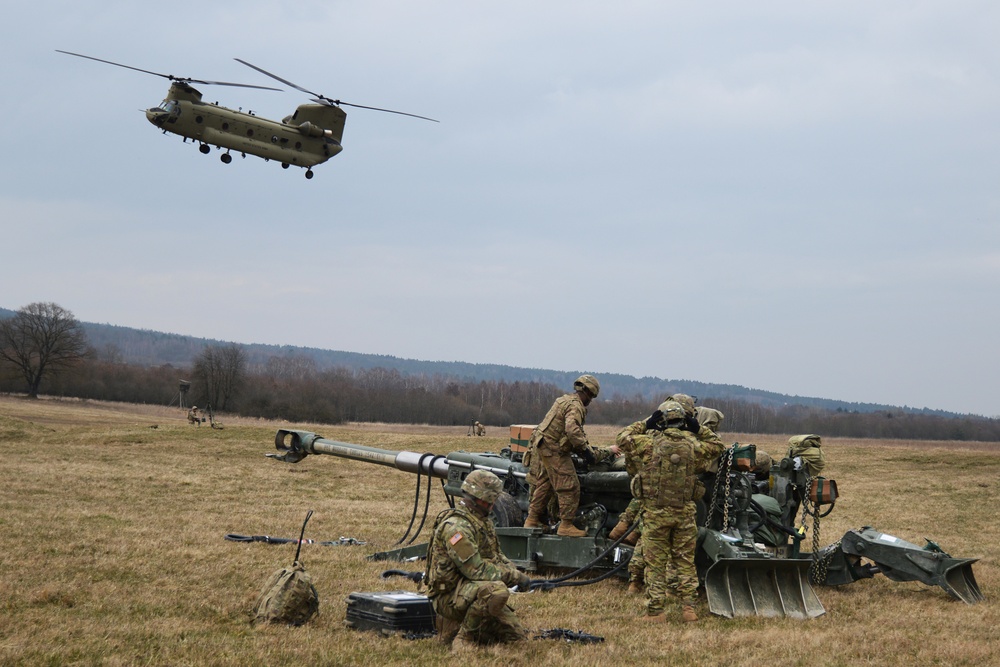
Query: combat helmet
pixel 673 412
pixel 686 402
pixel 588 382
pixel 482 485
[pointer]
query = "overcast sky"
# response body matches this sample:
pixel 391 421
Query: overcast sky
pixel 800 197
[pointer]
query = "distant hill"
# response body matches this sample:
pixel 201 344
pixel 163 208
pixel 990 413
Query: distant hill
pixel 154 348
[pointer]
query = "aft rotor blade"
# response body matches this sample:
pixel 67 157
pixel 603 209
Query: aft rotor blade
pixel 171 77
pixel 278 78
pixel 401 113
pixel 323 99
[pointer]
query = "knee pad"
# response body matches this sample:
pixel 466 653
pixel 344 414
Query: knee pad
pixel 493 596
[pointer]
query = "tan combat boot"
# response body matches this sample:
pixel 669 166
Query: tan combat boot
pixel 463 643
pixel 446 628
pixel 635 587
pixel 687 613
pixel 532 522
pixel 567 529
pixel 618 531
pixel 654 618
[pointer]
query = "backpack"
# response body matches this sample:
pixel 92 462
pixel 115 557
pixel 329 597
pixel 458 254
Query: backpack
pixel 288 596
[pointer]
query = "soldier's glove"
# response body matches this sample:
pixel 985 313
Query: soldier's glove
pixel 655 421
pixel 691 424
pixel 523 582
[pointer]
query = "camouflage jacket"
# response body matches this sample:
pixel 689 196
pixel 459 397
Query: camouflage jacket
pixel 709 444
pixel 562 428
pixel 667 463
pixel 463 548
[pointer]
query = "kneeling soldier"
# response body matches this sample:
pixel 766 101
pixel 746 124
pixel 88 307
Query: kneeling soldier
pixel 467 574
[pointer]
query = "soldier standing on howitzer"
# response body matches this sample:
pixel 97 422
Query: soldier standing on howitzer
pixel 550 467
pixel 467 574
pixel 701 421
pixel 668 459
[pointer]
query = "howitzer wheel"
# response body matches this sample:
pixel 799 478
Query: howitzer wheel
pixel 506 512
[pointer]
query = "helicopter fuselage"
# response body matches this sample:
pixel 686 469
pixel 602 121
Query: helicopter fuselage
pixel 308 137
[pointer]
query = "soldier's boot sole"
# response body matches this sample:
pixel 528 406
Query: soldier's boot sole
pixel 567 529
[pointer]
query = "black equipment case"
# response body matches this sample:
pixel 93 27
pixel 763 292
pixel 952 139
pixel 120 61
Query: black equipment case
pixel 389 612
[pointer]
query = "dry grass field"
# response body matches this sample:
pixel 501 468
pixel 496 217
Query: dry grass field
pixel 112 551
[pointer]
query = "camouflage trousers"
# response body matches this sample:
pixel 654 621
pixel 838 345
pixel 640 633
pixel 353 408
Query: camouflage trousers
pixel 480 611
pixel 536 472
pixel 669 538
pixel 555 476
pixel 637 564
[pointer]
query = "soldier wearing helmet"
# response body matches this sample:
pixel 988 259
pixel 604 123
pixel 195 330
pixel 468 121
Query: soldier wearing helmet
pixel 467 575
pixel 699 420
pixel 558 435
pixel 667 459
pixel 193 416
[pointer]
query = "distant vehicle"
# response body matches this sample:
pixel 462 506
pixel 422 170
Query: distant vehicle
pixel 308 137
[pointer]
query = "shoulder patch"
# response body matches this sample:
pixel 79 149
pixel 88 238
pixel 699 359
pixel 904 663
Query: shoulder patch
pixel 455 539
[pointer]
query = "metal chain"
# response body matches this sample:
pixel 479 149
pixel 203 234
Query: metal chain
pixel 727 463
pixel 819 570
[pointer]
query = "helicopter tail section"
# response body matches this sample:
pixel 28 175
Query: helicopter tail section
pixel 316 120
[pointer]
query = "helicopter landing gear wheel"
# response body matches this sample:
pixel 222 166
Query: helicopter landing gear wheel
pixel 284 165
pixel 226 158
pixel 205 148
pixel 309 173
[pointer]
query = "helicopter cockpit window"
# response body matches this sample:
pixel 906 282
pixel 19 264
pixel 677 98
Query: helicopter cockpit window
pixel 168 105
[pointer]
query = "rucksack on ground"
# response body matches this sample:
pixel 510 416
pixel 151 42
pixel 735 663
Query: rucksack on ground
pixel 289 595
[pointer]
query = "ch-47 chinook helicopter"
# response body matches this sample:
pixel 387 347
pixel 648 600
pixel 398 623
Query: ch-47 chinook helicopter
pixel 308 137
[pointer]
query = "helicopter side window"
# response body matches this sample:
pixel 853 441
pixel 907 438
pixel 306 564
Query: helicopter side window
pixel 168 105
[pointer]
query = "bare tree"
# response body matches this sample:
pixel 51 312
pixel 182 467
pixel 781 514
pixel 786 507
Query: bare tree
pixel 221 372
pixel 41 340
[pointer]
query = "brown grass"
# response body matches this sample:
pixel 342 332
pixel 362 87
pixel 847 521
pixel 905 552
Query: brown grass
pixel 113 550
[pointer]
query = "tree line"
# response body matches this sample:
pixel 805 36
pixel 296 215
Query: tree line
pixel 43 347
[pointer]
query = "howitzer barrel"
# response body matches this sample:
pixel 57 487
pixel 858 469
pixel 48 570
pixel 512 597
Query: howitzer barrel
pixel 296 445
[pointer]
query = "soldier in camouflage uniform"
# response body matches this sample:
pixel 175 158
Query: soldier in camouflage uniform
pixel 467 575
pixel 706 433
pixel 553 472
pixel 669 461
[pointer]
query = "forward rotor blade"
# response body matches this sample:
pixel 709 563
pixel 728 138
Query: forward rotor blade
pixel 171 77
pixel 238 85
pixel 80 55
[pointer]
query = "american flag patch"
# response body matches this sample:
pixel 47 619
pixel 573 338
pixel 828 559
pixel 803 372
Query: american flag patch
pixel 455 539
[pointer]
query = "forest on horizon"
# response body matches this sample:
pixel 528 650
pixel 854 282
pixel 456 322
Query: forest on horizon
pixel 308 385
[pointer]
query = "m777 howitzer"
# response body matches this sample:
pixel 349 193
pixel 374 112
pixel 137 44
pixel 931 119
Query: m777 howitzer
pixel 748 555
